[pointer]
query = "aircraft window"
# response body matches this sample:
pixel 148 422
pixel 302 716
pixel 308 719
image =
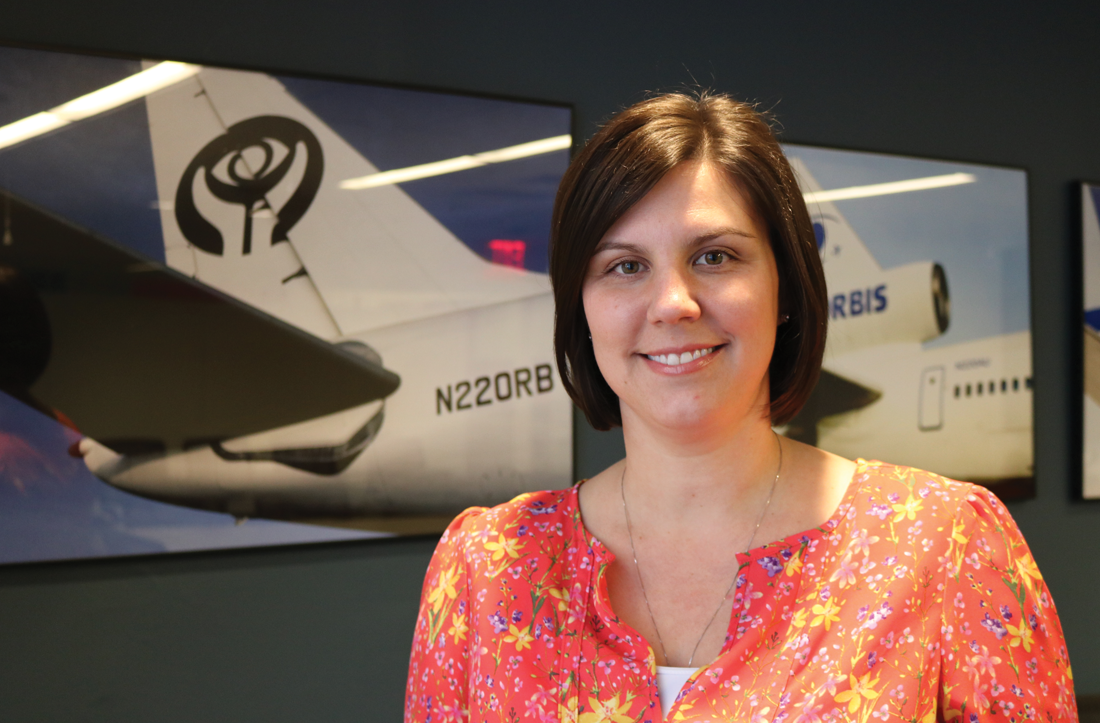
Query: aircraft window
pixel 968 390
pixel 992 386
pixel 980 387
pixel 1028 382
pixel 1004 385
pixel 1015 384
pixel 957 391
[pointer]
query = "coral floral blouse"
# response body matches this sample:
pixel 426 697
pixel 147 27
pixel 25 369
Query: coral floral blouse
pixel 918 601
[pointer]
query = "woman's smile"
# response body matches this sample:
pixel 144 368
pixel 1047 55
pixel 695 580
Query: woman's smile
pixel 680 361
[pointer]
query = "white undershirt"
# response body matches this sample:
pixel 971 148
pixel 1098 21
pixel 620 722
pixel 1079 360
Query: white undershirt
pixel 670 681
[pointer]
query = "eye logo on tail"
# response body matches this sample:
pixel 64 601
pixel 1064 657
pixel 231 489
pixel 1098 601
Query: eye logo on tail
pixel 274 143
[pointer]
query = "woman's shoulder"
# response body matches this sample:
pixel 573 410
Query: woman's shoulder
pixel 898 492
pixel 525 513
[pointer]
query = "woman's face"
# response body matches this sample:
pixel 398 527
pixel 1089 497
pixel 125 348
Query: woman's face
pixel 682 299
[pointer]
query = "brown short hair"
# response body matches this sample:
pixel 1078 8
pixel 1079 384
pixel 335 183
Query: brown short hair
pixel 619 166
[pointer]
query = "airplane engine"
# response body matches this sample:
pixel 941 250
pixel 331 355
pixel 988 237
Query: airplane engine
pixel 907 303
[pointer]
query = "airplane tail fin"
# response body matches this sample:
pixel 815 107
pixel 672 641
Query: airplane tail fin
pixel 842 252
pixel 249 185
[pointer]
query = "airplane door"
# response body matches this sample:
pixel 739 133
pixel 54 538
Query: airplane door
pixel 930 409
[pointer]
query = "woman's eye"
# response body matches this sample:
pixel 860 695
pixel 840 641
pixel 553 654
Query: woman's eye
pixel 712 258
pixel 629 268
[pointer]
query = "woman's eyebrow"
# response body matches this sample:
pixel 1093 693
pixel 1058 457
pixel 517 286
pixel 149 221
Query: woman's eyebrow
pixel 719 232
pixel 705 237
pixel 616 246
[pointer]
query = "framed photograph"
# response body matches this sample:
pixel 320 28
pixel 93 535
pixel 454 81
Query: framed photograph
pixel 928 361
pixel 1090 242
pixel 241 308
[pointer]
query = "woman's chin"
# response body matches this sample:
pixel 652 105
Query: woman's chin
pixel 680 417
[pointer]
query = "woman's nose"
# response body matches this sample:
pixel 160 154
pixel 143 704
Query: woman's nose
pixel 673 299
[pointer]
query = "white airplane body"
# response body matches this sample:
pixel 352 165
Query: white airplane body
pixel 963 410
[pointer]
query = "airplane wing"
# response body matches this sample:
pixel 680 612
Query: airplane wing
pixel 834 394
pixel 251 203
pixel 842 252
pixel 143 358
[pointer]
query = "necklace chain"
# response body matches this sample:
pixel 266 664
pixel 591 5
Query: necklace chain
pixel 638 569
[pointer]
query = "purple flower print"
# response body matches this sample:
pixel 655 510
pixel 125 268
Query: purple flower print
pixel 994 626
pixel 541 508
pixel 499 623
pixel 771 565
pixel 1033 621
pixel 522 530
pixel 879 511
pixel 786 554
pixel 517 616
pixel 741 580
pixel 878 616
pixel 872 659
pixel 1006 613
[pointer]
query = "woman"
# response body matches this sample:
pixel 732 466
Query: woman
pixel 691 310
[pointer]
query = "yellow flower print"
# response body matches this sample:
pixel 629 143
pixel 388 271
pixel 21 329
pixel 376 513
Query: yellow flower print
pixel 521 638
pixel 862 687
pixel 562 597
pixel 568 711
pixel 606 711
pixel 826 613
pixel 793 566
pixel 1026 566
pixel 1020 635
pixel 909 509
pixel 445 586
pixel 503 546
pixel 956 532
pixel 799 618
pixel 459 628
pixel 1028 572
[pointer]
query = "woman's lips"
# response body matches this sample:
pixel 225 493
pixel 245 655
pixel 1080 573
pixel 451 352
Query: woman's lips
pixel 675 359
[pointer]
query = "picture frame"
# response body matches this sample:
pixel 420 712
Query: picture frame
pixel 928 362
pixel 250 308
pixel 1089 196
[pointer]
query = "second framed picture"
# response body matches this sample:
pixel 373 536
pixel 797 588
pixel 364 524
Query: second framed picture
pixel 928 362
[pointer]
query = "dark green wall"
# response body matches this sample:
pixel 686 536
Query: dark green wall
pixel 321 633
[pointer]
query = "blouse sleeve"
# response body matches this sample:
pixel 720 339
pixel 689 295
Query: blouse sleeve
pixel 1002 651
pixel 437 686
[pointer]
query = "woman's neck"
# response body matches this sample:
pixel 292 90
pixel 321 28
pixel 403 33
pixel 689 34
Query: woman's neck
pixel 691 475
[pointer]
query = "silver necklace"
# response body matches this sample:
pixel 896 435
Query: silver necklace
pixel 638 570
